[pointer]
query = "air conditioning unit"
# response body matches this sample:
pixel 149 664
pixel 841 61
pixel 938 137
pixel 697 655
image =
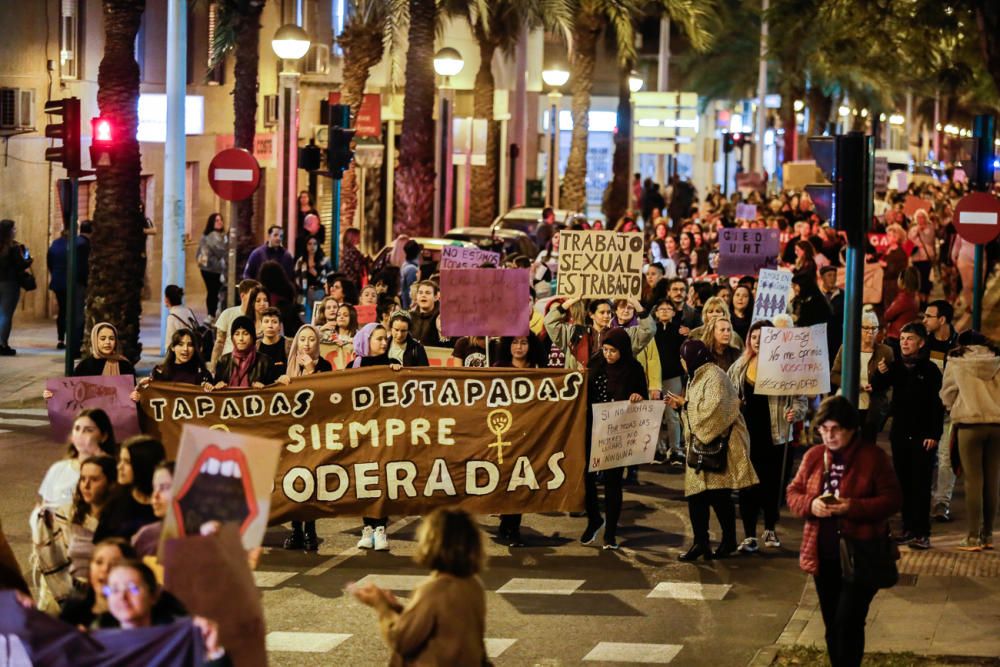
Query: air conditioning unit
pixel 17 109
pixel 270 110
pixel 317 61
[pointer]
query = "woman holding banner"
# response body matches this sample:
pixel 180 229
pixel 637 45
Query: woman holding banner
pixel 769 422
pixel 712 416
pixel 105 354
pixel 580 342
pixel 615 375
pixel 304 360
pixel 243 367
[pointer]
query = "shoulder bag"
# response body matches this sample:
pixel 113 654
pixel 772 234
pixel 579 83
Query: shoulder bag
pixel 710 456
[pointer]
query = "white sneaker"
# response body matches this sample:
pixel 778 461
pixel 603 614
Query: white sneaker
pixel 367 540
pixel 771 539
pixel 380 541
pixel 749 546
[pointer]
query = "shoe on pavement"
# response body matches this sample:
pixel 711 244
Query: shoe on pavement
pixel 294 542
pixel 7 351
pixel 725 549
pixel 514 539
pixel 590 534
pixel 941 514
pixel 611 545
pixel 771 539
pixel 381 542
pixel 920 543
pixel 904 538
pixel 987 542
pixel 367 540
pixel 311 542
pixel 748 546
pixel 970 544
pixel 60 345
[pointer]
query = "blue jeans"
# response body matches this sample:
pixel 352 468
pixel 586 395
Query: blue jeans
pixel 670 441
pixel 10 292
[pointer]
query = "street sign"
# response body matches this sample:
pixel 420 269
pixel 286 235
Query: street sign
pixel 369 120
pixel 234 174
pixel 977 217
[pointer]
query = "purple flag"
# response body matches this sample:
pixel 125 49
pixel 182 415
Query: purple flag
pixel 107 392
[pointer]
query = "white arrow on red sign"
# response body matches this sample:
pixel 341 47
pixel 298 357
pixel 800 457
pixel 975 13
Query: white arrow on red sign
pixel 234 174
pixel 977 217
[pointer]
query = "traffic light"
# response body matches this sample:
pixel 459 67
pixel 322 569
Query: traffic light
pixel 102 143
pixel 741 140
pixel 68 132
pixel 847 161
pixel 310 157
pixel 727 142
pixel 339 151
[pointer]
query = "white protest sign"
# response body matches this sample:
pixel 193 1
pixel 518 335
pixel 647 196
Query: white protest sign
pixel 460 257
pixel 773 292
pixel 793 362
pixel 624 433
pixel 600 264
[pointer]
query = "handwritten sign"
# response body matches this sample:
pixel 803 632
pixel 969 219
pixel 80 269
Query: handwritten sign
pixel 460 257
pixel 744 252
pixel 485 302
pixel 773 290
pixel 600 264
pixel 624 433
pixel 107 392
pixel 881 174
pixel 746 211
pixel 793 362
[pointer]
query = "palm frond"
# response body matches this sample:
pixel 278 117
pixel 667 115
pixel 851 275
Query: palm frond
pixel 697 18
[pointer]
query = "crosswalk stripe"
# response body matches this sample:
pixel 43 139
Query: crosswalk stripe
pixel 265 579
pixel 495 646
pixel 393 582
pixel 683 590
pixel 22 422
pixel 625 652
pixel 305 642
pixel 541 586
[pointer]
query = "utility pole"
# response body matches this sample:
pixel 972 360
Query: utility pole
pixel 983 130
pixel 174 158
pixel 758 162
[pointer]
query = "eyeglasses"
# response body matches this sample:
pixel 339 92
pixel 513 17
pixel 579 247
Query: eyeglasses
pixel 131 587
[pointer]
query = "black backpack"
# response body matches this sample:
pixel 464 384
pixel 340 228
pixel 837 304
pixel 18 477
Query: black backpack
pixel 204 336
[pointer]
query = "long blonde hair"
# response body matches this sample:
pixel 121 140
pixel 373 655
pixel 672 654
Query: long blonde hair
pixel 294 370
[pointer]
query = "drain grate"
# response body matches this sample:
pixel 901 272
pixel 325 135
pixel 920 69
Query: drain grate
pixel 950 563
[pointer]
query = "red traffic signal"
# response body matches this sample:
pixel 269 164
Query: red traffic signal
pixel 68 132
pixel 102 141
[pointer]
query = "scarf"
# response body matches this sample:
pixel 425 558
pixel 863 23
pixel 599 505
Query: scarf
pixel 695 354
pixel 294 369
pixel 362 342
pixel 243 360
pixel 618 373
pixel 111 360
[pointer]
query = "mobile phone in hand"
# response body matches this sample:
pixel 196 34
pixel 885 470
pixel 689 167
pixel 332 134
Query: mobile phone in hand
pixel 829 499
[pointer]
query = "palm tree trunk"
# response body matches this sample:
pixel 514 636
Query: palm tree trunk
pixel 616 201
pixel 988 21
pixel 118 245
pixel 245 118
pixel 574 184
pixel 362 45
pixel 485 178
pixel 415 172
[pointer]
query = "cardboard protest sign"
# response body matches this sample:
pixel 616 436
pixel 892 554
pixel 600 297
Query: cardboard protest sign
pixel 773 293
pixel 746 211
pixel 600 264
pixel 378 442
pixel 441 356
pixel 912 204
pixel 461 257
pixel 793 362
pixel 872 286
pixel 224 477
pixel 624 433
pixel 485 302
pixel 107 392
pixel 881 174
pixel 211 578
pixel 744 252
pixel 366 314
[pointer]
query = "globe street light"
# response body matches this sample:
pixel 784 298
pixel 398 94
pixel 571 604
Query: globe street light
pixel 555 77
pixel 634 82
pixel 289 43
pixel 634 85
pixel 448 62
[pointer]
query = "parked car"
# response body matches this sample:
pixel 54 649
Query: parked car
pixel 527 219
pixel 509 241
pixel 430 257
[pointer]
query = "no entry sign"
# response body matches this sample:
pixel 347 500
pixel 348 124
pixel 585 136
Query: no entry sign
pixel 234 174
pixel 977 217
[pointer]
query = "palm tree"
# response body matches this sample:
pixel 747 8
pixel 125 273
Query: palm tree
pixel 414 204
pixel 238 30
pixel 616 195
pixel 117 259
pixel 362 42
pixel 592 18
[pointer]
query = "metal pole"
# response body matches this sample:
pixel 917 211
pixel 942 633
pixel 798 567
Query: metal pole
pixel 438 168
pixel 448 169
pixel 725 173
pixel 174 156
pixel 854 284
pixel 937 126
pixel 72 339
pixel 983 130
pixel 335 217
pixel 977 288
pixel 519 114
pixel 231 296
pixel 390 174
pixel 758 162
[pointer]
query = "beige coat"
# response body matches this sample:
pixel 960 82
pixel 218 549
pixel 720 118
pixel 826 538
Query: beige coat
pixel 971 386
pixel 442 626
pixel 712 408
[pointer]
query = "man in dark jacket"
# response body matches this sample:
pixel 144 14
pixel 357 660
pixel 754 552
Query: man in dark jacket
pixel 688 318
pixel 917 422
pixel 271 250
pixel 835 297
pixel 58 262
pixel 424 314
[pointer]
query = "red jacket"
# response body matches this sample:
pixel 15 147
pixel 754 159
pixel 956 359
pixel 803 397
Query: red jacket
pixel 869 483
pixel 903 310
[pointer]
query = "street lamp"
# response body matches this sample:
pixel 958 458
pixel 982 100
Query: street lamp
pixel 634 86
pixel 634 82
pixel 289 43
pixel 448 62
pixel 555 77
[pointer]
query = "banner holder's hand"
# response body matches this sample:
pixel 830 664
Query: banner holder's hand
pixel 635 398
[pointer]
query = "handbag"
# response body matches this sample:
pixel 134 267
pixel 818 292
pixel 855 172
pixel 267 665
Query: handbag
pixel 27 281
pixel 710 456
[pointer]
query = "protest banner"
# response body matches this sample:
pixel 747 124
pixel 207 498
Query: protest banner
pixel 366 314
pixel 441 356
pixel 485 302
pixel 879 241
pixel 224 477
pixel 107 392
pixel 624 433
pixel 378 442
pixel 600 264
pixel 773 292
pixel 461 257
pixel 746 211
pixel 912 204
pixel 339 356
pixel 744 252
pixel 793 362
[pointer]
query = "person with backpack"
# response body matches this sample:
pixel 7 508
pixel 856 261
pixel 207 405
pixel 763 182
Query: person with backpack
pixel 179 316
pixel 213 250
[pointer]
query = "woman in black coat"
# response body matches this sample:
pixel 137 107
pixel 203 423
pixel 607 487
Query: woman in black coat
pixel 105 354
pixel 615 375
pixel 809 306
pixel 244 367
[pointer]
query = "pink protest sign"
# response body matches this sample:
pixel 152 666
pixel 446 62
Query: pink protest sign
pixel 107 392
pixel 485 302
pixel 366 314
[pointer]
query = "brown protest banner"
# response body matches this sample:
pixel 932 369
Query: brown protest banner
pixel 600 265
pixel 377 442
